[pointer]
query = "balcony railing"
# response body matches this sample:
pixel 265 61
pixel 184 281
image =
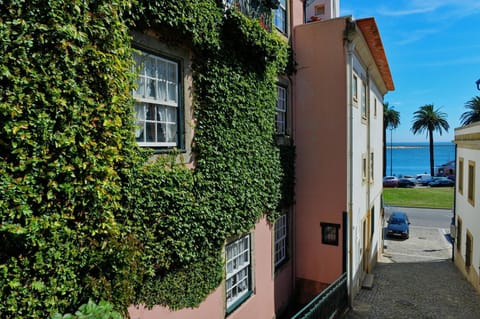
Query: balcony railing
pixel 260 10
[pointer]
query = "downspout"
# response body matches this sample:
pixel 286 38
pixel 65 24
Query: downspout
pixel 350 49
pixel 293 101
pixel 368 168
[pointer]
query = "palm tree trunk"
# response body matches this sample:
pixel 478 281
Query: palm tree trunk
pixel 432 173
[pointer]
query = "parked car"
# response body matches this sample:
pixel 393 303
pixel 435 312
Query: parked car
pixel 390 181
pixel 398 225
pixel 423 179
pixel 441 182
pixel 405 182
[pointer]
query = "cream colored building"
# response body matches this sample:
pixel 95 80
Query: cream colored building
pixel 467 202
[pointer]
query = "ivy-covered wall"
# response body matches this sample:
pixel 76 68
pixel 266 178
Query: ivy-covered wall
pixel 83 213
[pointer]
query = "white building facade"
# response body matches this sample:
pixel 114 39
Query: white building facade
pixel 467 203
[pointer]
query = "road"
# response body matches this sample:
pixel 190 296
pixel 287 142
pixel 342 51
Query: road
pixel 429 236
pixel 415 277
pixel 425 217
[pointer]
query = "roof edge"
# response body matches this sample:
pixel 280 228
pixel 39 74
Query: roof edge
pixel 371 33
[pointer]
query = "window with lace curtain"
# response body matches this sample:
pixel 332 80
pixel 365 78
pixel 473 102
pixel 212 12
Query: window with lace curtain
pixel 238 272
pixel 157 101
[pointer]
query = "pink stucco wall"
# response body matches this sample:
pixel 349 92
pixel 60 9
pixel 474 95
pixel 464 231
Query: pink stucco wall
pixel 321 139
pixel 283 286
pixel 260 305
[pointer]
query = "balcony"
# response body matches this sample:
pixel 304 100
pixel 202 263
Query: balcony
pixel 260 10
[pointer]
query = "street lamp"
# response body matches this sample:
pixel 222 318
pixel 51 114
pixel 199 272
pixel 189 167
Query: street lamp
pixel 478 84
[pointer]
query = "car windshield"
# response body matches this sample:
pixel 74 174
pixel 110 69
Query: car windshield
pixel 396 221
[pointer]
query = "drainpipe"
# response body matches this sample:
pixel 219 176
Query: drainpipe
pixel 368 168
pixel 293 116
pixel 350 49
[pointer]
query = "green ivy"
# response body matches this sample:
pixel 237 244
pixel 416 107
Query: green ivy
pixel 84 213
pixel 91 310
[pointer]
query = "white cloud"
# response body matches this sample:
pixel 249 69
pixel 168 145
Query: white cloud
pixel 454 8
pixel 414 36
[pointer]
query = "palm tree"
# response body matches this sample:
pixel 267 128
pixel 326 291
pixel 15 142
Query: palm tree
pixel 473 114
pixel 426 118
pixel 391 120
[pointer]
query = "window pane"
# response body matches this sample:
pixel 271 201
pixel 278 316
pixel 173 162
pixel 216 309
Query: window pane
pixel 140 90
pixel 162 83
pixel 172 92
pixel 280 16
pixel 150 131
pixel 158 88
pixel 150 109
pixel 171 133
pixel 161 131
pixel 280 117
pixel 237 269
pixel 280 239
pixel 140 122
pixel 151 88
pixel 171 115
pixel 150 67
pixel 162 70
pixel 172 72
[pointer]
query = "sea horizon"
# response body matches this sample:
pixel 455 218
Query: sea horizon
pixel 418 143
pixel 411 158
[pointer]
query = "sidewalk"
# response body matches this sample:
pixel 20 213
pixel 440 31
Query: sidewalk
pixel 411 285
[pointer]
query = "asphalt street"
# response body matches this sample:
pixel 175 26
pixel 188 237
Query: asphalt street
pixel 415 278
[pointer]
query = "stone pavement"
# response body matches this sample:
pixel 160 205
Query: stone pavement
pixel 415 278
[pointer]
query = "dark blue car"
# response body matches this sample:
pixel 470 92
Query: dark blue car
pixel 441 181
pixel 398 225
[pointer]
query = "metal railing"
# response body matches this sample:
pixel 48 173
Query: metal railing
pixel 330 303
pixel 255 9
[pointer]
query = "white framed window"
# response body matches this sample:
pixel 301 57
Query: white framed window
pixel 320 10
pixel 280 19
pixel 227 4
pixel 355 88
pixel 238 272
pixel 364 100
pixel 281 229
pixel 281 116
pixel 460 175
pixel 471 183
pixel 372 167
pixel 156 101
pixel 364 167
pixel 468 250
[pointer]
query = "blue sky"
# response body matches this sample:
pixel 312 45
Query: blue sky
pixel 433 49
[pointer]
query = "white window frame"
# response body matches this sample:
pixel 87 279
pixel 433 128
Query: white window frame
pixel 372 167
pixel 281 232
pixel 320 10
pixel 157 101
pixel 471 183
pixel 281 115
pixel 364 100
pixel 355 88
pixel 238 272
pixel 280 19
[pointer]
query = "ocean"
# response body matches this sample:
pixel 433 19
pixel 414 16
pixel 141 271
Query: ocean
pixel 414 158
